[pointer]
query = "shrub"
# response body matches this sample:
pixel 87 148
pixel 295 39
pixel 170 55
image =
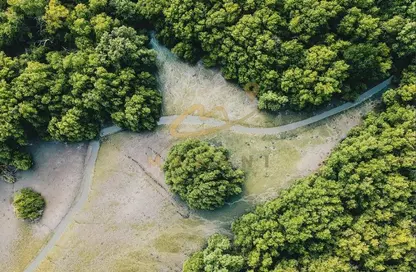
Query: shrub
pixel 202 174
pixel 28 204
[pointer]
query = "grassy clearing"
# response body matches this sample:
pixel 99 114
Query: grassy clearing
pixel 184 85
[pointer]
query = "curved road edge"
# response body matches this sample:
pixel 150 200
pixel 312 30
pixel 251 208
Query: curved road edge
pixel 78 203
pixel 195 120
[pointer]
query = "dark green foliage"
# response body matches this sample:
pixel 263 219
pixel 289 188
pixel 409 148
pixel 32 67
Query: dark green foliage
pixel 202 174
pixel 7 173
pixel 82 67
pixel 357 213
pixel 302 53
pixel 28 204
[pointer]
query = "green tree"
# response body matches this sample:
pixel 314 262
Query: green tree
pixel 81 67
pixel 202 174
pixel 55 16
pixel 316 78
pixel 368 62
pixel 360 26
pixel 28 204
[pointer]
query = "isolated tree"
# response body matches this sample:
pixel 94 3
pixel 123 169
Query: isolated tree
pixel 202 174
pixel 28 204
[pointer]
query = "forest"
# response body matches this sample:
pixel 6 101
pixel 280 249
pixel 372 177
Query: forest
pixel 66 70
pixel 302 53
pixel 69 68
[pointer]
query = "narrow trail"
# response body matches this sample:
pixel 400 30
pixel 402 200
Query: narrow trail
pixel 78 203
pixel 94 147
pixel 196 120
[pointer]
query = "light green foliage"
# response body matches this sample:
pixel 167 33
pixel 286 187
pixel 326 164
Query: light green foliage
pixel 216 257
pixel 406 93
pixel 28 204
pixel 310 18
pixel 55 16
pixel 316 79
pixel 10 26
pixel 73 126
pixel 124 9
pixel 122 47
pixel 402 34
pixel 202 174
pixel 360 26
pixel 141 111
pixel 406 39
pixel 81 69
pixel 28 7
pixel 355 214
pixel 272 101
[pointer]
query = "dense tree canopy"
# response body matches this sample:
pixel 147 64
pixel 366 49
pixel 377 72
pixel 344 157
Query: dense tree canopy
pixel 217 256
pixel 69 67
pixel 202 174
pixel 302 53
pixel 66 69
pixel 357 213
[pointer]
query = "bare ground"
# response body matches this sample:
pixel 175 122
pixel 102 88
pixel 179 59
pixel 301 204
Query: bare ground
pixel 56 175
pixel 131 222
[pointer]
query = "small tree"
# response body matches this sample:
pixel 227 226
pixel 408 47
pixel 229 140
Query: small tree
pixel 28 204
pixel 202 174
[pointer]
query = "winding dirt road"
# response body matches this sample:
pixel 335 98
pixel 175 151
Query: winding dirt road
pixel 189 120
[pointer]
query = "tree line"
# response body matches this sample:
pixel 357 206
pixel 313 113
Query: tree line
pixel 302 53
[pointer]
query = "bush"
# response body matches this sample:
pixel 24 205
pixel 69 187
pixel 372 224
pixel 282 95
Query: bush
pixel 202 174
pixel 28 204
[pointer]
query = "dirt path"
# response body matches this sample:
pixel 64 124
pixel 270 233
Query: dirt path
pixel 189 120
pixel 233 125
pixel 78 203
